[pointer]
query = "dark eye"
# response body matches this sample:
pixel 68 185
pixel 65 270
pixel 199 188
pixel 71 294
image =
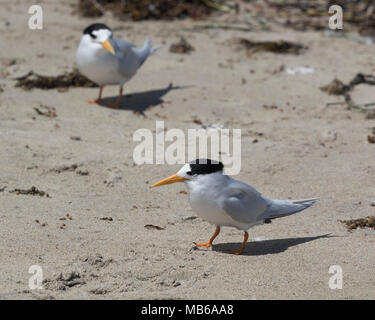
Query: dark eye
pixel 189 173
pixel 92 35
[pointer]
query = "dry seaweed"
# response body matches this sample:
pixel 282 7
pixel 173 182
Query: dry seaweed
pixel 312 14
pixel 46 111
pixel 72 79
pixel 32 191
pixel 368 222
pixel 90 8
pixel 145 9
pixel 278 47
pixel 361 78
pixel 181 47
pixel 337 87
pixel 296 14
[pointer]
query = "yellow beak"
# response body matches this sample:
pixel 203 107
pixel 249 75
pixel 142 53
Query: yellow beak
pixel 107 45
pixel 169 180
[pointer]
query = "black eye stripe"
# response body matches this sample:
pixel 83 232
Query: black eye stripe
pixel 92 35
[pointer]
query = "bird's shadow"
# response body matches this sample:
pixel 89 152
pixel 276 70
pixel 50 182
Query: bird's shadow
pixel 139 102
pixel 258 248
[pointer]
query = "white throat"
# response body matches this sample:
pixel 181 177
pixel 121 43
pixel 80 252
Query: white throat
pixel 215 180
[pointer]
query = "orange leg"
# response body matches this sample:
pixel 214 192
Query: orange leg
pixel 99 100
pixel 209 243
pixel 239 251
pixel 116 105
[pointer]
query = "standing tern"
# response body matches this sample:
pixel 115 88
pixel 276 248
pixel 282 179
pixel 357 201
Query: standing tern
pixel 223 201
pixel 109 61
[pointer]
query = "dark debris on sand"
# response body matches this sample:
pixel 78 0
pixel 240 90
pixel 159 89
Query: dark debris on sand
pixel 71 79
pixel 34 191
pixel 183 46
pixel 337 87
pixel 47 111
pixel 299 15
pixel 106 219
pixel 312 14
pixel 368 222
pixel 65 168
pixel 278 47
pixel 371 138
pixel 145 9
pixel 153 227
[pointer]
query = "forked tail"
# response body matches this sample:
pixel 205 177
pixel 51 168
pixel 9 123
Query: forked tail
pixel 146 50
pixel 283 208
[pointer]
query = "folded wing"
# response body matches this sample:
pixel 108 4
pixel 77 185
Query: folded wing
pixel 246 205
pixel 243 203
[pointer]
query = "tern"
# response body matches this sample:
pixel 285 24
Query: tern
pixel 109 61
pixel 223 201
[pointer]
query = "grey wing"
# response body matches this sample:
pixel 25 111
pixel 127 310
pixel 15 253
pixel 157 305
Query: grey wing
pixel 128 60
pixel 243 203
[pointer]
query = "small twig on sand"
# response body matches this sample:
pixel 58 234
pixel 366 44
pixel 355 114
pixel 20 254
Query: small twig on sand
pixel 366 107
pixel 217 6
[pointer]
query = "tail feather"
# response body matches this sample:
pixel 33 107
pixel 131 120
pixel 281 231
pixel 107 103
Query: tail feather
pixel 146 50
pixel 283 208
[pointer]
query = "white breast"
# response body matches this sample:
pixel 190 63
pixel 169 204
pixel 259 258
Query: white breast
pixel 101 67
pixel 204 198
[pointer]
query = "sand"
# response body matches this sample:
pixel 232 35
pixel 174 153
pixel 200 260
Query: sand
pixel 304 149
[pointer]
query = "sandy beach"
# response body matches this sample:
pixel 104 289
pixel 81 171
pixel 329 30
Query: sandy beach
pixel 89 236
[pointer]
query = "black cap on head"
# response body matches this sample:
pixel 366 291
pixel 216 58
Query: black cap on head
pixel 94 27
pixel 205 166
